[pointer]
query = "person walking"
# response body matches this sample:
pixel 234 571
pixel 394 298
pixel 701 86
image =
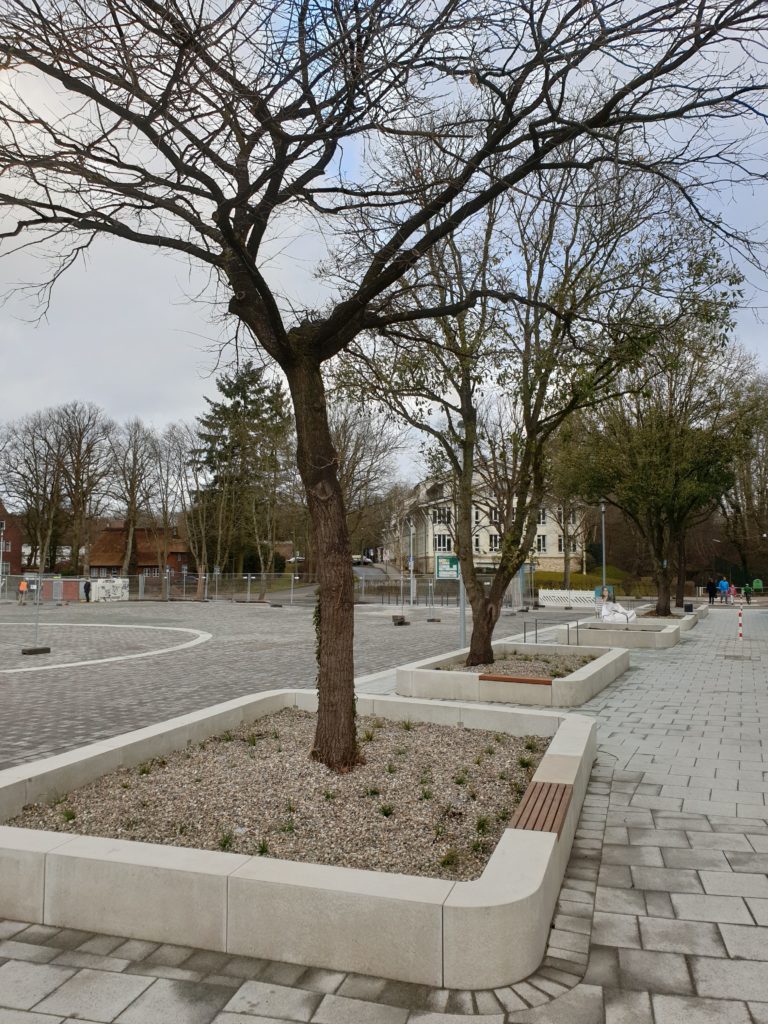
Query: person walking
pixel 723 589
pixel 711 590
pixel 87 591
pixel 732 593
pixel 23 588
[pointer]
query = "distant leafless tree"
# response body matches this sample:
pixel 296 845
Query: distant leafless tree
pixel 209 130
pixel 85 431
pixel 131 445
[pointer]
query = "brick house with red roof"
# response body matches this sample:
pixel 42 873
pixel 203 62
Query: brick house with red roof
pixel 108 552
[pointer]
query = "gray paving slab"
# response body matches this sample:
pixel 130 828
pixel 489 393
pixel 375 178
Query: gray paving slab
pixel 682 798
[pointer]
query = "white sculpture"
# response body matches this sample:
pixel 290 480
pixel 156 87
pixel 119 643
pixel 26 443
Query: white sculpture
pixel 612 611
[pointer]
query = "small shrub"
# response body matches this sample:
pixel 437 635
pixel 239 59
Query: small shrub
pixel 530 744
pixel 407 725
pixel 250 739
pixel 460 777
pixel 503 815
pixel 368 735
pixel 263 848
pixel 472 794
pixel 426 794
pixel 450 858
pixel 478 846
pixel 329 794
pixel 290 806
pixel 125 785
pixel 225 841
pixel 391 768
pixel 479 759
pixel 439 830
pixel 131 824
pixel 524 762
pixel 490 749
pixel 386 810
pixel 482 824
pixel 275 734
pixel 519 788
pixel 504 776
pixel 161 762
pixel 68 814
pixel 288 826
pixel 144 769
pixel 401 751
pixel 182 829
pixel 372 791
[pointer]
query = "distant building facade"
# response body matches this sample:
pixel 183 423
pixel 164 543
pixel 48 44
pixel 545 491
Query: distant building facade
pixel 12 540
pixel 427 529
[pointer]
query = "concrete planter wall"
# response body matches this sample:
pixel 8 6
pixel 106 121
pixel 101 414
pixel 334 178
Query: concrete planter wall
pixel 477 934
pixel 645 634
pixel 425 679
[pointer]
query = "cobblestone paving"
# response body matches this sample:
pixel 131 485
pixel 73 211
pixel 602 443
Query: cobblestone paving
pixel 252 648
pixel 662 918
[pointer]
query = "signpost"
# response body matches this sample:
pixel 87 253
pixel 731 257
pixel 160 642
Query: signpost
pixel 447 568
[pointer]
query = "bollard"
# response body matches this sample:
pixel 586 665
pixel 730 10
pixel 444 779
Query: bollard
pixel 524 625
pixel 741 622
pixel 535 631
pixel 568 633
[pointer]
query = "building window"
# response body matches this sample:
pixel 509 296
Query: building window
pixel 6 545
pixel 5 568
pixel 560 543
pixel 541 542
pixel 103 571
pixel 477 543
pixel 442 542
pixel 151 570
pixel 494 515
pixel 441 515
pixel 572 517
pixel 494 542
pixel 477 516
pixel 542 517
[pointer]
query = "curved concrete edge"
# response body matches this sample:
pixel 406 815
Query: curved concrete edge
pixel 423 679
pixel 484 933
pixel 633 636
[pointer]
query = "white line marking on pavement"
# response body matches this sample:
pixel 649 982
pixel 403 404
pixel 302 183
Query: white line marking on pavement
pixel 200 637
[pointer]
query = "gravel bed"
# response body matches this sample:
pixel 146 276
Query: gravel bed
pixel 541 666
pixel 430 800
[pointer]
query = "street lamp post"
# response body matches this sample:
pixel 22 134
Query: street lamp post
pixel 410 558
pixel 2 554
pixel 602 532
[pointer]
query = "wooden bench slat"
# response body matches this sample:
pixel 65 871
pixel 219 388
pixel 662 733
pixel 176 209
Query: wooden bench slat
pixel 543 807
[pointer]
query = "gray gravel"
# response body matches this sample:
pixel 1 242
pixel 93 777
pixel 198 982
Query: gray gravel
pixel 430 800
pixel 542 666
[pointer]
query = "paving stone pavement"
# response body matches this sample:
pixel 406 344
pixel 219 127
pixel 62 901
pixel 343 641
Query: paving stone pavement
pixel 662 917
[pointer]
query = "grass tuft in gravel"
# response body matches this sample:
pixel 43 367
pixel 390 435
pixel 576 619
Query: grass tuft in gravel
pixel 435 807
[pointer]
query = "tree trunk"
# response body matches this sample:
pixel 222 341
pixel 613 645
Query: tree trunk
pixel 335 737
pixel 485 615
pixel 664 597
pixel 128 547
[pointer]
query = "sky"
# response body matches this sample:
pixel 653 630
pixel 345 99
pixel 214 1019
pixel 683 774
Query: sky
pixel 126 332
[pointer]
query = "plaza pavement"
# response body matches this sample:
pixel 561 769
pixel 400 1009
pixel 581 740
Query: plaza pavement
pixel 663 915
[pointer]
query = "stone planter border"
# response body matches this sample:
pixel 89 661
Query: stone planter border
pixel 648 634
pixel 479 934
pixel 424 679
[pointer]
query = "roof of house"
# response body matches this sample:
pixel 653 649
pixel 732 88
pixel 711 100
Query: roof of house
pixel 109 547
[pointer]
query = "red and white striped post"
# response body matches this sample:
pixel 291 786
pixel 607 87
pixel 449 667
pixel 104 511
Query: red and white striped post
pixel 741 622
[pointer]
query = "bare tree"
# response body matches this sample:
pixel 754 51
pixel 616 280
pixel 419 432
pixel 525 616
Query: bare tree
pixel 85 433
pixel 206 130
pixel 162 496
pixel 132 445
pixel 33 470
pixel 598 274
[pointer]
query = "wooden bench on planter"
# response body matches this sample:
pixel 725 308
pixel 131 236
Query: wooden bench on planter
pixel 544 807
